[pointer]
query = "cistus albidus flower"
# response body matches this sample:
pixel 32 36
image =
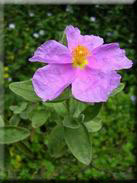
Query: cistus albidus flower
pixel 86 64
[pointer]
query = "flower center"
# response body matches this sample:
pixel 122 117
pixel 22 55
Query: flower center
pixel 79 56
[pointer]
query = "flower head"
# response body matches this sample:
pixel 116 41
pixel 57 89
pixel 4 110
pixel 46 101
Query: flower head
pixel 79 56
pixel 86 64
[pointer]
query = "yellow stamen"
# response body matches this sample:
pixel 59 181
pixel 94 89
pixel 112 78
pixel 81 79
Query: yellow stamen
pixel 79 55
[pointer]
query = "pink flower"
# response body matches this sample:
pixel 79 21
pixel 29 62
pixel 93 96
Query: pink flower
pixel 87 64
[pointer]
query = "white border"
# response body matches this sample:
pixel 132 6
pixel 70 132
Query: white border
pixel 67 1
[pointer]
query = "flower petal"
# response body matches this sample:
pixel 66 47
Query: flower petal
pixel 51 80
pixel 109 57
pixel 94 86
pixel 72 34
pixel 52 52
pixel 74 39
pixel 90 41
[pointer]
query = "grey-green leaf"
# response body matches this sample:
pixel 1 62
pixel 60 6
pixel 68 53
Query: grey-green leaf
pixel 63 38
pixel 66 94
pixel 38 118
pixel 91 111
pixel 25 90
pixel 14 120
pixel 93 126
pixel 76 107
pixel 56 141
pixel 79 143
pixel 119 89
pixel 70 122
pixel 12 134
pixel 18 109
pixel 60 108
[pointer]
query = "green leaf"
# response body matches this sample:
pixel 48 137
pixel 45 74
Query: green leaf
pixel 66 94
pixel 1 121
pixel 24 115
pixel 39 117
pixel 93 126
pixel 62 38
pixel 91 111
pixel 76 107
pixel 56 141
pixel 18 109
pixel 27 113
pixel 60 108
pixel 119 89
pixel 14 120
pixel 12 134
pixel 70 122
pixel 79 143
pixel 25 90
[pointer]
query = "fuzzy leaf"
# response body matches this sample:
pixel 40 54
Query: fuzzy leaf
pixel 66 94
pixel 93 126
pixel 70 122
pixel 78 143
pixel 76 107
pixel 18 109
pixel 62 38
pixel 38 118
pixel 60 108
pixel 12 134
pixel 25 90
pixel 91 111
pixel 14 120
pixel 119 89
pixel 56 141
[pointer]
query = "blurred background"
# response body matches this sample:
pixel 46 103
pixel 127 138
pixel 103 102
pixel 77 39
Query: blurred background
pixel 28 26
